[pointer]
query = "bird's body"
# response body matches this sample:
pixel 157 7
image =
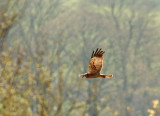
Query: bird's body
pixel 95 66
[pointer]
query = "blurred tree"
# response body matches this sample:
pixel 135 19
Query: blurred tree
pixel 52 43
pixel 9 14
pixel 155 110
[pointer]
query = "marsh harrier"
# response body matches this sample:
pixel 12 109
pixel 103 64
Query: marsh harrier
pixel 95 66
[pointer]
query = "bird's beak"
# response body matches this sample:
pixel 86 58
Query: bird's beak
pixel 81 75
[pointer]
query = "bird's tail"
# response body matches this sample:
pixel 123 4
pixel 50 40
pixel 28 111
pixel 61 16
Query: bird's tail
pixel 106 76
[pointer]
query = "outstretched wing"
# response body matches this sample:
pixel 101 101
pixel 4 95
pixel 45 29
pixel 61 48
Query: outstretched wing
pixel 96 62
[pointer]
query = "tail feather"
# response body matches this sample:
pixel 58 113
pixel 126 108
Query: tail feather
pixel 106 76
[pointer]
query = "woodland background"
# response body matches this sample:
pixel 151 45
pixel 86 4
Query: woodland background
pixel 46 44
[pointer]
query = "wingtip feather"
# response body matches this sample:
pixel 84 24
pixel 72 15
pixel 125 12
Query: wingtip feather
pixel 97 53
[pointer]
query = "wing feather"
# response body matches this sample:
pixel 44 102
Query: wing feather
pixel 92 54
pixel 96 62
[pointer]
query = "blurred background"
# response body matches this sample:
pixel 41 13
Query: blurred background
pixel 46 44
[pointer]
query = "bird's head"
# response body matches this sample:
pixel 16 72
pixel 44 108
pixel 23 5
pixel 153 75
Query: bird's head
pixel 83 75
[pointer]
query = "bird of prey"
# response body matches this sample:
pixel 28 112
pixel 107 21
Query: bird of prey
pixel 95 66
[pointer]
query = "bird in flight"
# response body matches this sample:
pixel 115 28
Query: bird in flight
pixel 95 66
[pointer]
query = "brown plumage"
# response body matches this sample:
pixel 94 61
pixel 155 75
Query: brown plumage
pixel 95 65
